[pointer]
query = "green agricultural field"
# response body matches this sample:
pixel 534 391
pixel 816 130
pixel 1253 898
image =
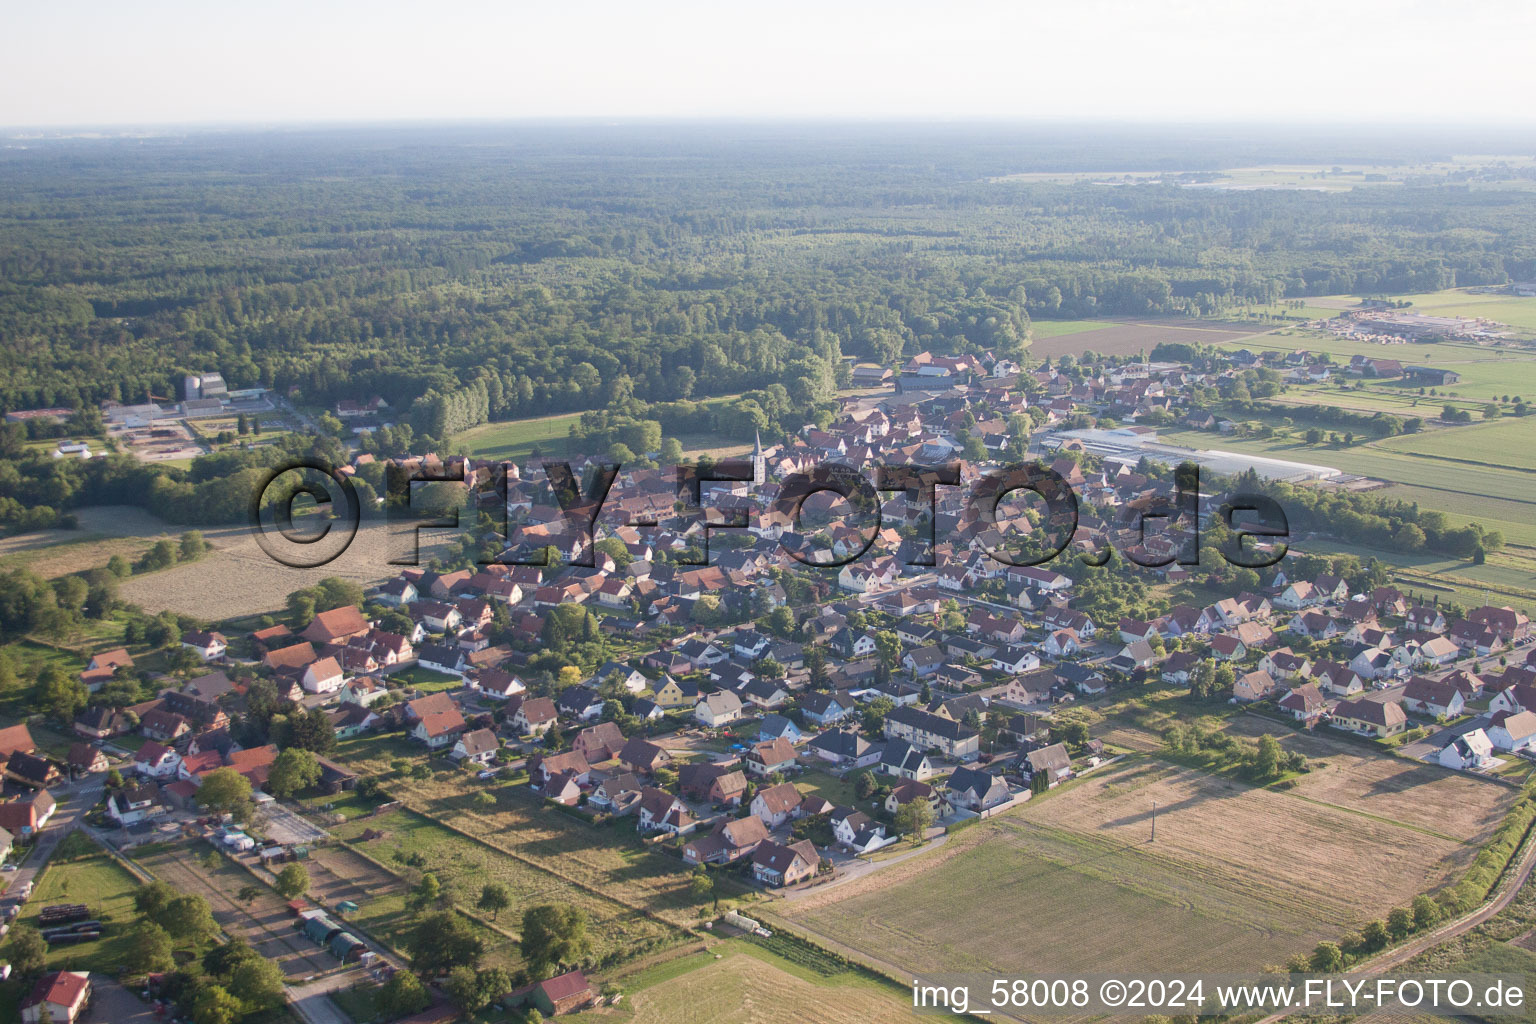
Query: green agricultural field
pixel 1514 519
pixel 748 982
pixel 1056 328
pixel 514 439
pixel 1506 442
pixel 1450 478
pixel 1503 579
pixel 107 889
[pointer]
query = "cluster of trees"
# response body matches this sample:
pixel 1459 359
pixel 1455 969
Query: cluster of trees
pixel 1262 761
pixel 458 305
pixel 1374 521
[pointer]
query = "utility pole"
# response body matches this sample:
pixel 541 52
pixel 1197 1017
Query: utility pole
pixel 1154 823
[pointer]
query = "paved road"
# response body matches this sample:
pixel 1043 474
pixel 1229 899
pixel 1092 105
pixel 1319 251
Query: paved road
pixel 852 868
pixel 82 795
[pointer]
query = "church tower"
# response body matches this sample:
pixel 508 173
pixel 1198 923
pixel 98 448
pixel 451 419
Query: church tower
pixel 759 463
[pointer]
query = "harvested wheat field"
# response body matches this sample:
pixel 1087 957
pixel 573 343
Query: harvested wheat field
pixel 1348 867
pixel 1237 876
pixel 235 578
pixel 1421 795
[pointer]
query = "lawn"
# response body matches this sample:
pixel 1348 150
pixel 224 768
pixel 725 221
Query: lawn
pixel 552 848
pixel 107 889
pixel 1057 328
pixel 1086 904
pixel 1515 519
pixel 1505 577
pixel 744 982
pixel 515 439
pixel 828 786
pixel 426 680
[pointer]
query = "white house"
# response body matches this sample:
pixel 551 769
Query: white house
pixel 157 761
pixel 718 709
pixel 1513 732
pixel 323 676
pixel 478 746
pixel 1471 751
pixel 207 646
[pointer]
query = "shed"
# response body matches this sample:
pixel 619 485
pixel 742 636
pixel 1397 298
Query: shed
pixel 345 946
pixel 319 929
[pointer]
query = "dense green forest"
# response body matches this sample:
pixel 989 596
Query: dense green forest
pixel 468 274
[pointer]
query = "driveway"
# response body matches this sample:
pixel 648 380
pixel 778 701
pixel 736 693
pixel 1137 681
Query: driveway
pixel 111 1003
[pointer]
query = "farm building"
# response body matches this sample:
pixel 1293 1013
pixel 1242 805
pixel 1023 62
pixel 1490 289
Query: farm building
pixel 1430 376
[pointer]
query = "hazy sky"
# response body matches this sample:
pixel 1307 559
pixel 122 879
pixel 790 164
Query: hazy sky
pixel 159 61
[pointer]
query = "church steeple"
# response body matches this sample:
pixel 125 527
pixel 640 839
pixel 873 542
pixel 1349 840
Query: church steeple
pixel 759 463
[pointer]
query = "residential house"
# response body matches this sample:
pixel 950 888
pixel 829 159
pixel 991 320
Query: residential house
pixel 779 865
pixel 906 761
pixel 323 675
pixel 1512 732
pixel 336 626
pixel 103 667
pixel 478 746
pixel 599 743
pixel 1255 685
pixel 27 815
pixel 642 756
pixel 156 761
pixel 1437 698
pixel 57 996
pixel 1370 717
pixel 770 758
pixel 208 646
pixel 1335 679
pixel 718 709
pixel 675 693
pixel 954 739
pixel 774 727
pixel 776 804
pixel 720 784
pixel 1053 762
pixel 728 842
pixel 972 789
pixel 534 717
pixel 1305 703
pixel 660 811
pixel 135 803
pixel 845 748
pixel 1471 751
